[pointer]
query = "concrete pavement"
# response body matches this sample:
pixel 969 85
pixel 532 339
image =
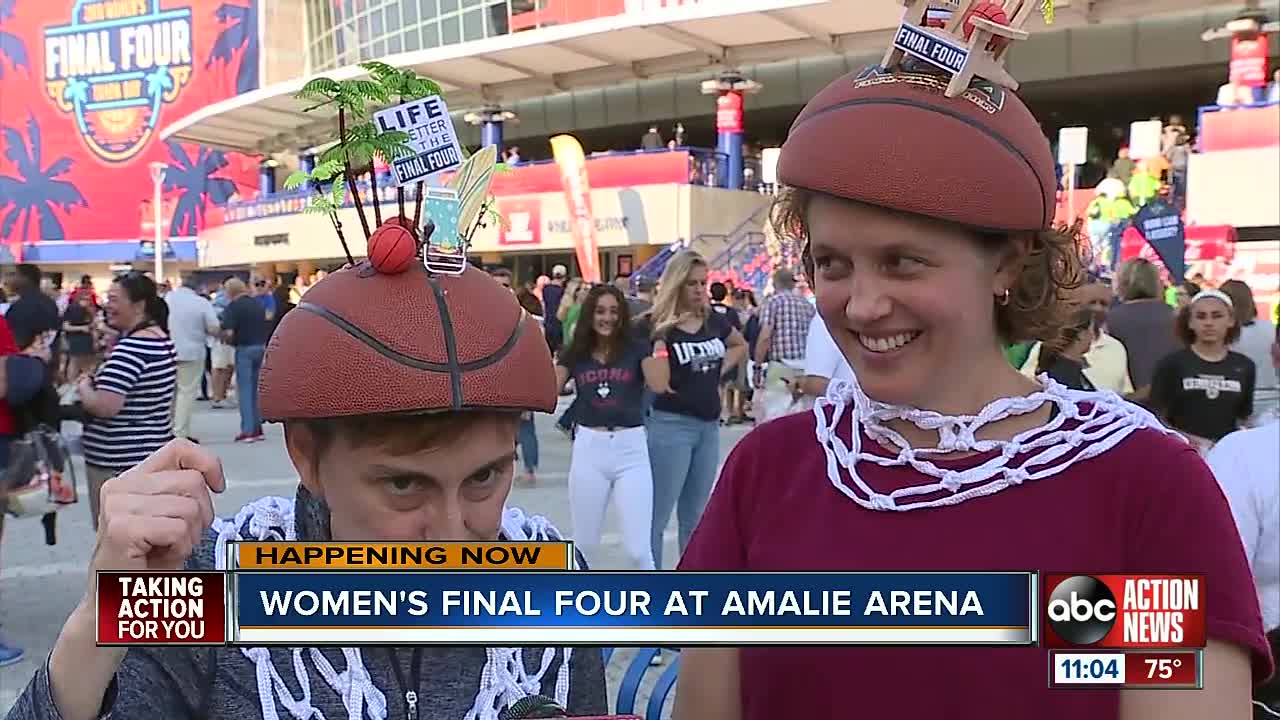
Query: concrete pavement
pixel 40 584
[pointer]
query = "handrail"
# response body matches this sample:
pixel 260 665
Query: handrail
pixel 703 170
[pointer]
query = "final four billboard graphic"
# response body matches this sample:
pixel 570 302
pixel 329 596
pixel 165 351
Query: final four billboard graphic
pixel 114 67
pixel 88 86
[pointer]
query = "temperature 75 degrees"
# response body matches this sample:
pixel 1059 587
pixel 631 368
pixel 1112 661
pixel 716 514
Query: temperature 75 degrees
pixel 1162 668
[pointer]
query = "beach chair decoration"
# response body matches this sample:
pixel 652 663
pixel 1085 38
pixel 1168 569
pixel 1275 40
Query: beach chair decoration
pixel 966 39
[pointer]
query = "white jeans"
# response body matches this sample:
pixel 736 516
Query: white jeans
pixel 602 463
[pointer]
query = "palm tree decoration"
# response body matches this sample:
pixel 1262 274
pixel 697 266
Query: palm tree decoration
pixel 36 190
pixel 11 47
pixel 240 36
pixel 1046 9
pixel 404 85
pixel 359 141
pixel 328 202
pixel 351 98
pixel 357 152
pixel 195 179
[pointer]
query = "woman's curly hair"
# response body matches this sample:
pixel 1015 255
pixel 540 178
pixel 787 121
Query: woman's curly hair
pixel 1041 300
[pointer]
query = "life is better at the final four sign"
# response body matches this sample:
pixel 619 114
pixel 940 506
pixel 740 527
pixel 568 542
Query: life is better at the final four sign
pixel 432 138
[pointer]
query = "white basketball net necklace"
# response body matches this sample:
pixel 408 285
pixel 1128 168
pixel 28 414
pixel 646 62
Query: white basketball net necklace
pixel 503 681
pixel 1086 425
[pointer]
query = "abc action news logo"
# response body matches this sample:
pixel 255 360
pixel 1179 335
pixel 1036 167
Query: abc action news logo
pixel 1124 611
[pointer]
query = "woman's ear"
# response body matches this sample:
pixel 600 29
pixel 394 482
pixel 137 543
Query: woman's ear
pixel 1013 258
pixel 301 445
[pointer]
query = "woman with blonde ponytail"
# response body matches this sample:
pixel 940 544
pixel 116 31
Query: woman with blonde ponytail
pixel 698 347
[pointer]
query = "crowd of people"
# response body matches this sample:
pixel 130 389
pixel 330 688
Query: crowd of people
pixel 1201 359
pixel 126 367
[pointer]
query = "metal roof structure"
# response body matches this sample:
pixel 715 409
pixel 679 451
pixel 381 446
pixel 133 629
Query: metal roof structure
pixel 586 54
pixel 710 35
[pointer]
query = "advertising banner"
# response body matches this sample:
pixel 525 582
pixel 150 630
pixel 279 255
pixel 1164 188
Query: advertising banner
pixel 523 221
pixel 89 85
pixel 729 113
pixel 577 191
pixel 1249 61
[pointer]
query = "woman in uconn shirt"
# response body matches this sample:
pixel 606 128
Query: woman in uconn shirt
pixel 609 367
pixel 698 347
pixel 925 260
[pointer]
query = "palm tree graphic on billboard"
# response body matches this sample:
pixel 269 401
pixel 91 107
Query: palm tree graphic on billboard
pixel 12 50
pixel 239 36
pixel 196 184
pixel 35 192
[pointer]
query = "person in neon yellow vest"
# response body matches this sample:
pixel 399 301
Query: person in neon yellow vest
pixel 1144 186
pixel 1108 207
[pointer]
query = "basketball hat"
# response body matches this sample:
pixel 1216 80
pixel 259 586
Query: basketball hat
pixel 891 137
pixel 363 342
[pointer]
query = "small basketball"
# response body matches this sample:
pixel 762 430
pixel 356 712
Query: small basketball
pixel 987 11
pixel 392 248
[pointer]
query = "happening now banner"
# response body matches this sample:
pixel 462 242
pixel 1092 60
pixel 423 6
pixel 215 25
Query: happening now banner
pixel 88 86
pixel 302 594
pixel 573 172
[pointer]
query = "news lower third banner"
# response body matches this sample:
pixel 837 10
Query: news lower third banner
pixel 628 608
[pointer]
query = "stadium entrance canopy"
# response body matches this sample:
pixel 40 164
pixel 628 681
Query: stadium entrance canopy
pixel 639 42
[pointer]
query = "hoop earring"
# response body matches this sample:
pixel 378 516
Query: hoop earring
pixel 1004 299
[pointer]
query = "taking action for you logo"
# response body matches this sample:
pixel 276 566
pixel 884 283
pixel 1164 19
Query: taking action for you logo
pixel 114 67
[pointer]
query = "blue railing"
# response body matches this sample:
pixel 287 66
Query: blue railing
pixel 704 169
pixel 704 163
pixel 633 678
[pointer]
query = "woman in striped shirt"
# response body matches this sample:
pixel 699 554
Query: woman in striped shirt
pixel 130 399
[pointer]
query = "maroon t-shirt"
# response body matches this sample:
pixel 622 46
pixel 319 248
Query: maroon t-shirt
pixel 1148 505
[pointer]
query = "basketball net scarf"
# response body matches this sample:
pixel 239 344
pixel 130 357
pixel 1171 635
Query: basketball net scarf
pixel 1085 425
pixel 503 682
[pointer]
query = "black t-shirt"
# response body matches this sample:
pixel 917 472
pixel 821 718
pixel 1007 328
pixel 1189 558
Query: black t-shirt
pixel 247 320
pixel 78 343
pixel 610 395
pixel 1070 373
pixel 695 360
pixel 729 314
pixel 1208 399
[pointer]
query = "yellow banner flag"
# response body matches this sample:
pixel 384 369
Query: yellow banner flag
pixel 577 192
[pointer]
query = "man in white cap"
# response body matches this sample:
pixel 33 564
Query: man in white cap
pixel 551 296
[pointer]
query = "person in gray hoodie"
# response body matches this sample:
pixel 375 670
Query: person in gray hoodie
pixel 400 396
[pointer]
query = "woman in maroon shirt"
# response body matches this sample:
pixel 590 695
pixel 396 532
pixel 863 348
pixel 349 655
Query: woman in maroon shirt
pixel 928 223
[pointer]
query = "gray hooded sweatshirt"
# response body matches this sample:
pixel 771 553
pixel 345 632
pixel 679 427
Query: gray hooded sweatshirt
pixel 368 683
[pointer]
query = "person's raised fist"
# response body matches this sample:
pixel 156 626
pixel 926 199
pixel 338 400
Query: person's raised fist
pixel 152 516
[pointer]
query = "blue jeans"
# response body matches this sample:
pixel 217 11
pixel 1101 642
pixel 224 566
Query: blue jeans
pixel 527 441
pixel 684 452
pixel 248 365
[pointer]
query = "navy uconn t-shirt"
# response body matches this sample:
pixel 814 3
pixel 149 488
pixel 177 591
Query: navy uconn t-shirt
pixel 695 360
pixel 610 395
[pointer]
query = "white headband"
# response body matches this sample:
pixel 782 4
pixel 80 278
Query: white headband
pixel 1216 294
